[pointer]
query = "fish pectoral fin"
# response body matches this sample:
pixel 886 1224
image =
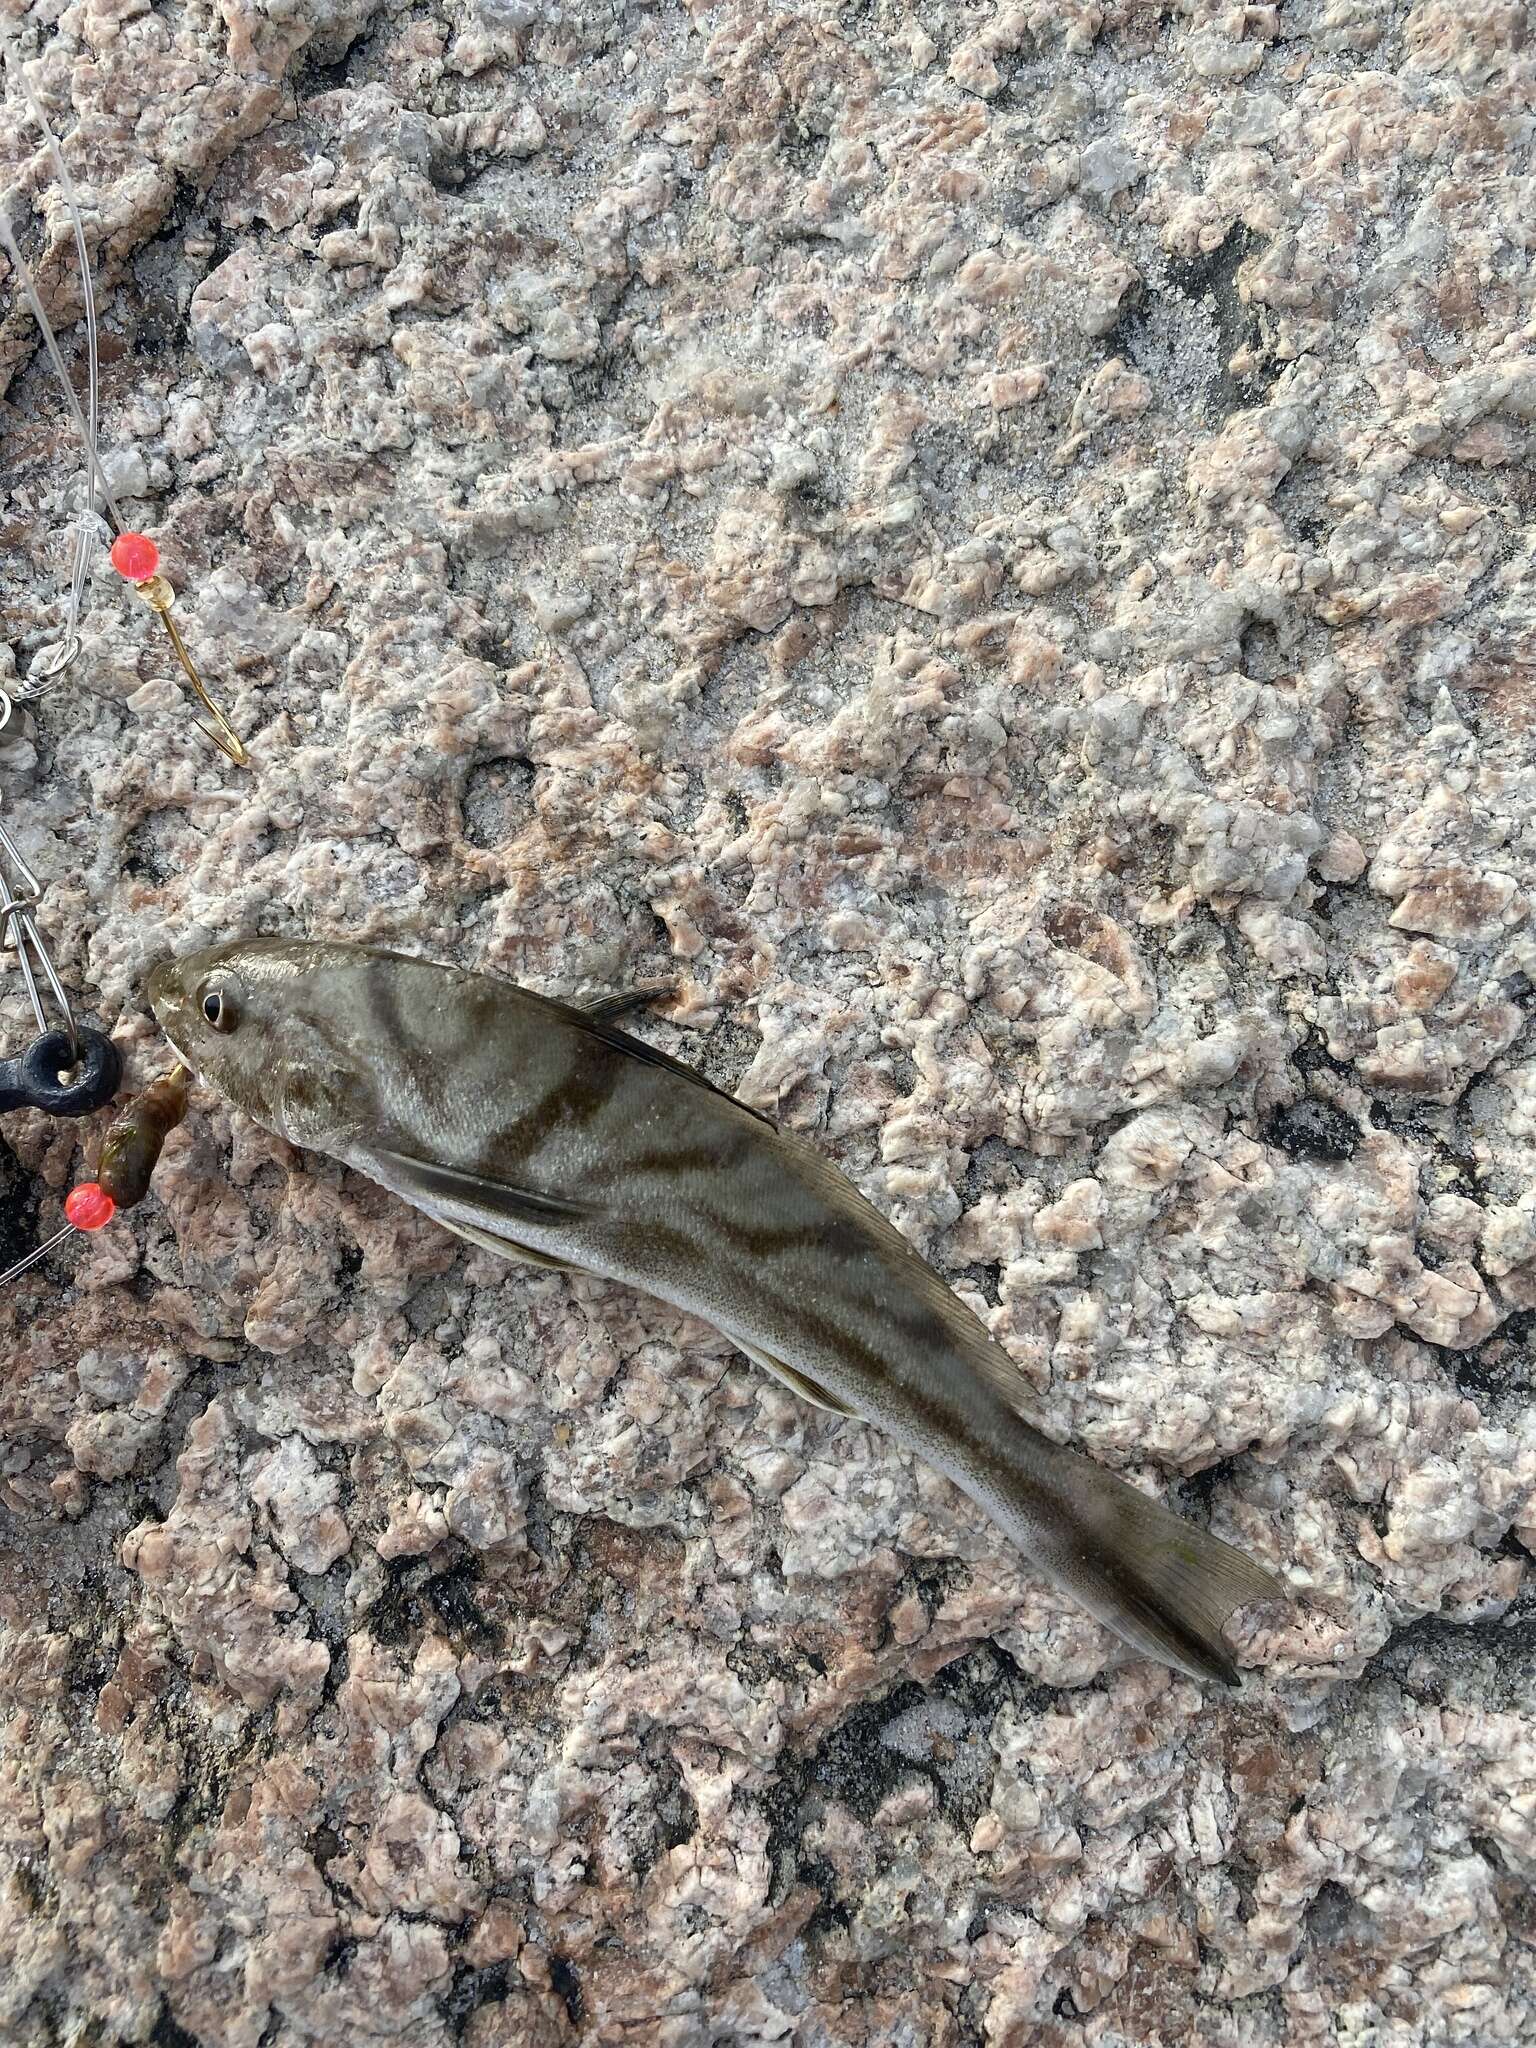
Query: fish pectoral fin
pixel 506 1247
pixel 430 1184
pixel 808 1389
pixel 606 1008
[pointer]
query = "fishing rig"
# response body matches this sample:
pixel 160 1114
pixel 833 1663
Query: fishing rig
pixel 71 1069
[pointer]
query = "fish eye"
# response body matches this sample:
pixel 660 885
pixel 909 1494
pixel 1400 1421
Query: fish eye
pixel 219 1007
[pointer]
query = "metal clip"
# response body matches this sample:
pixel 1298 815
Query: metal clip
pixel 20 892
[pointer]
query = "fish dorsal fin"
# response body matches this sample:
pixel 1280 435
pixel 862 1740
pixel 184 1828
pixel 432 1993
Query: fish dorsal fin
pixel 797 1382
pixel 603 1009
pixel 431 1185
pixel 983 1353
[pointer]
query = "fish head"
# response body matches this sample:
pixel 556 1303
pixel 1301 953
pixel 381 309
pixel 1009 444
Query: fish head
pixel 266 1023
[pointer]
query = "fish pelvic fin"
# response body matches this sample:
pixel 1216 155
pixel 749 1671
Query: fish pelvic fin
pixel 1162 1584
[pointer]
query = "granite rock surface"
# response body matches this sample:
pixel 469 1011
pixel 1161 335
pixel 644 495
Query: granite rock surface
pixel 991 545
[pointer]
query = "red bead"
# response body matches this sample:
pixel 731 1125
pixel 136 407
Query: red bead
pixel 135 556
pixel 89 1206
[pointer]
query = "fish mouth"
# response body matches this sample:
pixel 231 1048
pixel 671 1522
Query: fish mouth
pixel 160 984
pixel 166 996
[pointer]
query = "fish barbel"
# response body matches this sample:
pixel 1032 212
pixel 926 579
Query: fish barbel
pixel 544 1132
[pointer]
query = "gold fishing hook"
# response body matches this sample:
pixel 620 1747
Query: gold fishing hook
pixel 136 559
pixel 159 596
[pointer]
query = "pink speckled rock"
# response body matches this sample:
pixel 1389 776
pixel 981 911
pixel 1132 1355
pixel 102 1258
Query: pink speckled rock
pixel 991 548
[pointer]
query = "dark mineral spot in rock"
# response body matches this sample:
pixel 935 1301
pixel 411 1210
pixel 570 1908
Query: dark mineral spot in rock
pixel 1329 1912
pixel 325 1844
pixel 167 2033
pixel 452 1594
pixel 1503 1364
pixel 831 1915
pixel 416 1597
pixel 1200 1488
pixel 670 1818
pixel 1183 332
pixel 339 1955
pixel 473 1988
pixel 1309 1129
pixel 1259 648
pixel 1313 1057
pixel 1211 280
pixel 677 1813
pixel 18 1208
pixel 566 1982
pixel 854 1764
pixel 31 1885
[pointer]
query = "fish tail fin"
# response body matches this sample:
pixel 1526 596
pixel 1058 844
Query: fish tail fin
pixel 1162 1584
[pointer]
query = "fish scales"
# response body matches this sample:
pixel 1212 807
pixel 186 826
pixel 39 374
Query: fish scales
pixel 542 1131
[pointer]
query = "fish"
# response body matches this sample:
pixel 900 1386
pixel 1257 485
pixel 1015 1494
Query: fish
pixel 547 1133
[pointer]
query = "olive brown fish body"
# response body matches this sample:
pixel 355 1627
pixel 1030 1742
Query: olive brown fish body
pixel 544 1132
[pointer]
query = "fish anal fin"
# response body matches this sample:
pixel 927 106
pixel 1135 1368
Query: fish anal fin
pixel 797 1382
pixel 506 1247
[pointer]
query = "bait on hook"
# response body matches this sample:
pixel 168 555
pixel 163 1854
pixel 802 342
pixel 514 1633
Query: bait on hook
pixel 129 1154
